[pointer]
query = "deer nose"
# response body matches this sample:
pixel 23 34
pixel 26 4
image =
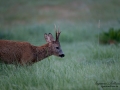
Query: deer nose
pixel 61 55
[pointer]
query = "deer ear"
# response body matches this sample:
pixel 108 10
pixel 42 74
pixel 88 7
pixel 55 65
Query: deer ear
pixel 47 38
pixel 51 37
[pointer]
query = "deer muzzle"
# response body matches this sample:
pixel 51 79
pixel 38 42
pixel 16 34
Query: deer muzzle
pixel 61 55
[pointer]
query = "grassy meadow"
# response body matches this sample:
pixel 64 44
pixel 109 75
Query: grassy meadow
pixel 87 65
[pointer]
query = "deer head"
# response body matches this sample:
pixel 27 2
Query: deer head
pixel 54 44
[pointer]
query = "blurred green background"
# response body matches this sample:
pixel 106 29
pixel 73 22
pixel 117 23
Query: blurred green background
pixel 86 62
pixel 75 18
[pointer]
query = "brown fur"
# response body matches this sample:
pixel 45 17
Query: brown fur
pixel 13 52
pixel 22 52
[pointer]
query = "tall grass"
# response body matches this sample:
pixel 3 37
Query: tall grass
pixel 85 65
pixel 80 69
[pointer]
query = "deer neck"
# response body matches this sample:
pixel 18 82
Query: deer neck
pixel 43 52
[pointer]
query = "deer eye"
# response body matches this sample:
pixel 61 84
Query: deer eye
pixel 57 47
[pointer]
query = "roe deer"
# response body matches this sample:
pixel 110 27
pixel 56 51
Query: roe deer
pixel 13 52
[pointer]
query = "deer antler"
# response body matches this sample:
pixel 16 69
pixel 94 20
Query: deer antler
pixel 57 33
